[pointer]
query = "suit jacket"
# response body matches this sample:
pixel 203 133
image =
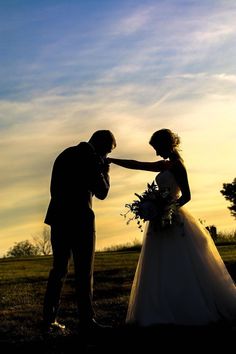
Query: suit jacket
pixel 78 174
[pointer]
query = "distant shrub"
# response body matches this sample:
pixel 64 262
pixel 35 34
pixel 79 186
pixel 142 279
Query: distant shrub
pixel 129 246
pixel 23 249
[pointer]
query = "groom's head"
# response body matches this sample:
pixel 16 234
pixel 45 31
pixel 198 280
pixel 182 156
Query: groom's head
pixel 103 142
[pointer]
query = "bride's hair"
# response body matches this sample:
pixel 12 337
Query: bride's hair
pixel 167 139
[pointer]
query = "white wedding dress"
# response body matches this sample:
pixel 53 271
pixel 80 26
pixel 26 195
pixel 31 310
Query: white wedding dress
pixel 180 277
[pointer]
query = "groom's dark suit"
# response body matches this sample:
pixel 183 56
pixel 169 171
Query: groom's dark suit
pixel 78 174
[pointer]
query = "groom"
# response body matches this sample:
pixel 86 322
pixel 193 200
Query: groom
pixel 79 173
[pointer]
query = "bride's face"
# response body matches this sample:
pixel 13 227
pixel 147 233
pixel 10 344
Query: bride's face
pixel 161 151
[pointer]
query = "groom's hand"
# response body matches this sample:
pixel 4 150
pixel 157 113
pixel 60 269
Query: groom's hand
pixel 103 164
pixel 106 166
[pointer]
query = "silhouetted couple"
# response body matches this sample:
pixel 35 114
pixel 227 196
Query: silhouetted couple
pixel 180 278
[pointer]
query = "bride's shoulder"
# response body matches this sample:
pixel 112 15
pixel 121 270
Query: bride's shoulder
pixel 178 167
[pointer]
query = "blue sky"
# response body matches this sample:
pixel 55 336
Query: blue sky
pixel 71 67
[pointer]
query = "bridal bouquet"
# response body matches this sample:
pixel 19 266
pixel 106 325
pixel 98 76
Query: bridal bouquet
pixel 152 204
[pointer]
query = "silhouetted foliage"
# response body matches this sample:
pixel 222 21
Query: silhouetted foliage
pixel 134 246
pixel 23 249
pixel 229 192
pixel 43 242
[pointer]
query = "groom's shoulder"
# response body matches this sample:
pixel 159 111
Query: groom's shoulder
pixel 82 147
pixel 66 152
pixel 81 151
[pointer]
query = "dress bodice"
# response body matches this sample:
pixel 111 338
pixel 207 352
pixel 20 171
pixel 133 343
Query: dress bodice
pixel 166 180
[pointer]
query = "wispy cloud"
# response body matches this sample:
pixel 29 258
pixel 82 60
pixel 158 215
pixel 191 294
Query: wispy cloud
pixel 135 21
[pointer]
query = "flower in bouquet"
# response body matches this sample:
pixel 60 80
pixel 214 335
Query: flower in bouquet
pixel 152 204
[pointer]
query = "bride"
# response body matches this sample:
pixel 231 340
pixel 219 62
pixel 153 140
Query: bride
pixel 180 278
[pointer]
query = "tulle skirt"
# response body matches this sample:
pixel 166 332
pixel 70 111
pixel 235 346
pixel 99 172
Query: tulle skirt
pixel 180 278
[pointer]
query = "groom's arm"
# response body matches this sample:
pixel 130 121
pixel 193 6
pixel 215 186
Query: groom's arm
pixel 102 184
pixel 100 179
pixel 95 171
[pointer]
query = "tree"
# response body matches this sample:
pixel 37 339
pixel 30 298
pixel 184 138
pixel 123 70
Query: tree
pixel 23 249
pixel 229 192
pixel 43 242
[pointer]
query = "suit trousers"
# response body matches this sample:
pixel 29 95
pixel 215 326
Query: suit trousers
pixel 76 239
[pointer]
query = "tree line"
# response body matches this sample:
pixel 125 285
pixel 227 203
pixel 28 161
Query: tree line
pixel 41 245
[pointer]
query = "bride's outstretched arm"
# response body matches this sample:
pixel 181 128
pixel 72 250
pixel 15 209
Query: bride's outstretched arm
pixel 139 165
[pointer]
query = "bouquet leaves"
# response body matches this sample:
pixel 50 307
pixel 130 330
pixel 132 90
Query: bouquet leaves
pixel 152 204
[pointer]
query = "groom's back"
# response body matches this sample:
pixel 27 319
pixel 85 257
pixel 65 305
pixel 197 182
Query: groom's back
pixel 71 182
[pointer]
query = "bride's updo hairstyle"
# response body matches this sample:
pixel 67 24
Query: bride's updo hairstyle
pixel 165 139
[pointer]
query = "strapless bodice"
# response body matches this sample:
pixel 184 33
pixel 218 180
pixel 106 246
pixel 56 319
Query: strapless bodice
pixel 166 180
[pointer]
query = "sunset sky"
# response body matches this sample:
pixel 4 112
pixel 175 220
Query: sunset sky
pixel 70 67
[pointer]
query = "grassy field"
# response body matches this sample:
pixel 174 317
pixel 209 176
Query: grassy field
pixel 23 282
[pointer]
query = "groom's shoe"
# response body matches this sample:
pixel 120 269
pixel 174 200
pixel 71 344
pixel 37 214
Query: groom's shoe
pixel 54 327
